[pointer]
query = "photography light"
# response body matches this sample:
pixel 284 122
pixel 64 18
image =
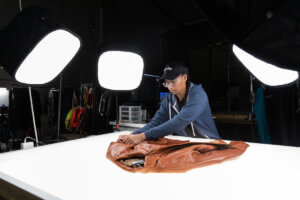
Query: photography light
pixel 265 34
pixel 120 70
pixel 266 73
pixel 48 58
pixel 35 47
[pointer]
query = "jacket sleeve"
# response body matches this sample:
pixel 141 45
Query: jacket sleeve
pixel 195 106
pixel 160 117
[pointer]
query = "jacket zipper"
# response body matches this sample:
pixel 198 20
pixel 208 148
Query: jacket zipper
pixel 192 125
pixel 177 113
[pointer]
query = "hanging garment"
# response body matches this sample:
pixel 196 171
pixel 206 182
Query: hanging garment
pixel 86 124
pixel 90 96
pixel 261 116
pixel 85 95
pixel 167 155
pixel 68 119
pixel 76 117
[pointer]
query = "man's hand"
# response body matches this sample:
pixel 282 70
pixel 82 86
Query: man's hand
pixel 132 139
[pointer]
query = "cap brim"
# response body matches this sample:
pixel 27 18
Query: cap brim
pixel 168 76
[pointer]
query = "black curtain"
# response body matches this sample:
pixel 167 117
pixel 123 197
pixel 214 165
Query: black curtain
pixel 283 117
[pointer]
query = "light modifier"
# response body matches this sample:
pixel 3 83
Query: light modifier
pixel 120 70
pixel 35 46
pixel 265 72
pixel 48 58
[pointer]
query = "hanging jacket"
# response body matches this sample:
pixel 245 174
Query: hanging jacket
pixel 76 117
pixel 167 155
pixel 68 119
pixel 196 112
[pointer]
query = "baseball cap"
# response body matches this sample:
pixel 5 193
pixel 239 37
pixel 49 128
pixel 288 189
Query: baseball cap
pixel 174 69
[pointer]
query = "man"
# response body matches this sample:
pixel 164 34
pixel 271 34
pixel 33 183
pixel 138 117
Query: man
pixel 184 111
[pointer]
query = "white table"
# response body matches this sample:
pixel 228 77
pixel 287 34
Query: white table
pixel 78 169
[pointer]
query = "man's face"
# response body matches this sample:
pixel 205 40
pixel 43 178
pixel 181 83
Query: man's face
pixel 177 85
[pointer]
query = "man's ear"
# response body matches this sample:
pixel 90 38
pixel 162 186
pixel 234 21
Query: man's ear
pixel 185 77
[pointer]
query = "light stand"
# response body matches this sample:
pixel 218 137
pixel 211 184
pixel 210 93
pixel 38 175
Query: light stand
pixel 120 71
pixel 35 48
pixel 117 112
pixel 252 98
pixel 33 116
pixel 59 107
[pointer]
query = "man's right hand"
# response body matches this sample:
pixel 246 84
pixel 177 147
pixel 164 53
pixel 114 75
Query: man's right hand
pixel 132 139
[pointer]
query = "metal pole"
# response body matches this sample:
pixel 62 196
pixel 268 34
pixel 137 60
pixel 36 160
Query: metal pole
pixel 252 98
pixel 150 75
pixel 228 80
pixel 33 117
pixel 59 107
pixel 117 112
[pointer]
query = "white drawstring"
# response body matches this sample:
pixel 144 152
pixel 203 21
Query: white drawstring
pixel 192 125
pixel 170 111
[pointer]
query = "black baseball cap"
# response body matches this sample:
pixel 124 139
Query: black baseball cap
pixel 173 70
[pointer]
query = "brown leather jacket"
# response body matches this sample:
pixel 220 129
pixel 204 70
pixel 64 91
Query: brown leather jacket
pixel 167 155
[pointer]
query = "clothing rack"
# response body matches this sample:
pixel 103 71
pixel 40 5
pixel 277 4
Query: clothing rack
pixel 83 85
pixel 19 86
pixel 87 84
pixel 92 106
pixel 54 90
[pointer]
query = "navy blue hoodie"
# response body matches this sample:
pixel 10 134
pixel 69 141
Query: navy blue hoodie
pixel 169 120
